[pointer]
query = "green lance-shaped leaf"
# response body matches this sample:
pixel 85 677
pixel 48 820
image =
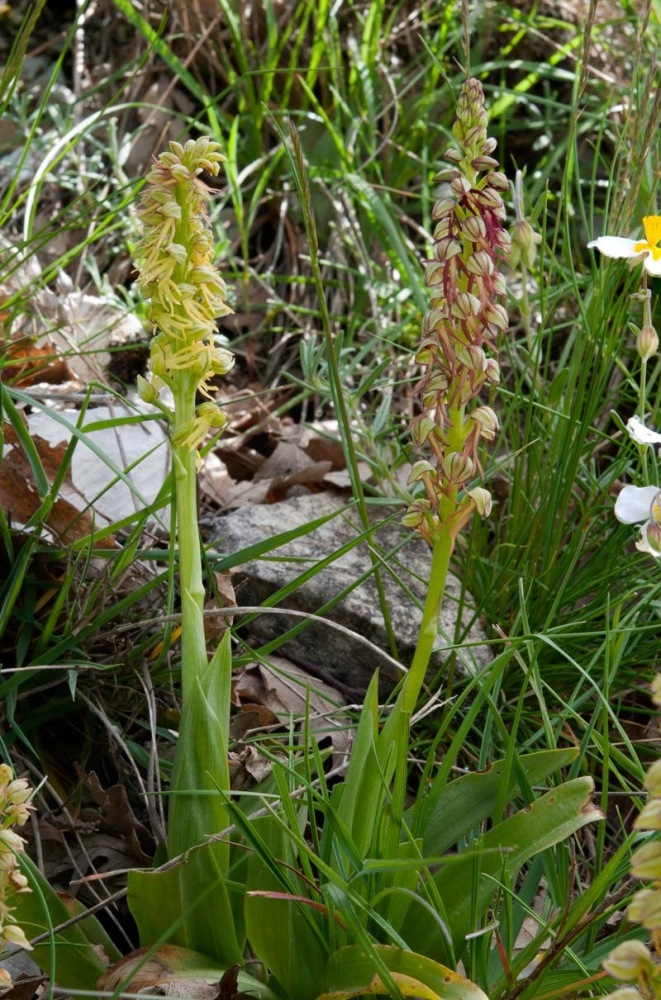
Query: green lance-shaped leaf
pixel 189 904
pixel 282 931
pixel 71 957
pixel 451 812
pixel 549 820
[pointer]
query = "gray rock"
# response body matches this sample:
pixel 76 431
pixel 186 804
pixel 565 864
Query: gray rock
pixel 344 591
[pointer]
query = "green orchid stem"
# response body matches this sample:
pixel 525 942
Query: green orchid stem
pixel 193 643
pixel 642 398
pixel 440 564
pixel 442 547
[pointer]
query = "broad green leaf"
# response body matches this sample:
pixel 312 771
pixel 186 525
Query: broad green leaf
pixel 68 957
pixel 282 932
pixel 168 905
pixel 465 803
pixel 186 905
pixel 362 774
pixel 406 879
pixel 547 821
pixel 154 899
pixel 351 973
pixel 201 771
pixel 91 927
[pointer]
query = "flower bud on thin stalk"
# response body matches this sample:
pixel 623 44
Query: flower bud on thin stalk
pixel 647 343
pixel 458 349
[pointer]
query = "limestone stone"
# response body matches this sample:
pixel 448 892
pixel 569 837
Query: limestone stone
pixel 344 590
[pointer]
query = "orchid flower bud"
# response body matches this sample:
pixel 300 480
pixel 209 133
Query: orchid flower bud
pixel 647 343
pixel 628 961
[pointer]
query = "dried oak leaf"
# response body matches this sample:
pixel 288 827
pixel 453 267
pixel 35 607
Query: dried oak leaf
pixel 20 498
pixel 26 364
pixel 170 970
pixel 117 815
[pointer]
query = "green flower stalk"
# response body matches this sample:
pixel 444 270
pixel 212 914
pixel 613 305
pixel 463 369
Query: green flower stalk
pixel 14 811
pixel 175 259
pixel 187 296
pixel 458 353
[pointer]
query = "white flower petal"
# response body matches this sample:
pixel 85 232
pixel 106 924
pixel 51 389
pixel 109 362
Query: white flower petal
pixel 634 502
pixel 615 246
pixel 644 546
pixel 652 266
pixel 642 434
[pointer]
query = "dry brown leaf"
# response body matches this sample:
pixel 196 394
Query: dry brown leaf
pixel 20 498
pixel 287 689
pixel 287 467
pixel 286 461
pixel 169 966
pixel 139 446
pixel 81 854
pixel 216 625
pixel 83 327
pixel 251 717
pixel 26 364
pixel 117 816
pixel 283 687
pixel 61 334
pixel 247 493
pixel 247 767
pixel 215 482
pixel 248 411
pixel 342 480
pixel 25 988
pixel 320 441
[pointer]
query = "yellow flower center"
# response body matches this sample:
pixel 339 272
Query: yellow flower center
pixel 652 226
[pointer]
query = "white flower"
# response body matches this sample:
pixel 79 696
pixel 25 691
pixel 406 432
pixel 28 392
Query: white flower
pixel 640 433
pixel 642 503
pixel 648 249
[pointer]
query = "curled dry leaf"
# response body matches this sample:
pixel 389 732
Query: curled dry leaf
pixel 286 467
pixel 63 333
pixel 25 364
pixel 216 625
pixel 139 446
pixel 20 497
pixel 287 690
pixel 214 481
pixel 184 972
pixel 247 767
pixel 117 816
